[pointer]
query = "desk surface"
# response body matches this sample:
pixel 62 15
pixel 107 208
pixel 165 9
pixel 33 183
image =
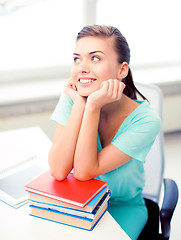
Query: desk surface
pixel 16 224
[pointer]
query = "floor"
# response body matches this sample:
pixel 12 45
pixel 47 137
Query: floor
pixel 172 143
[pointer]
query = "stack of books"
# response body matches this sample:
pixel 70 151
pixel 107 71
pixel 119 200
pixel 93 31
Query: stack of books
pixel 72 202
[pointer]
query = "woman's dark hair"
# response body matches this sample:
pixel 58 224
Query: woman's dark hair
pixel 121 47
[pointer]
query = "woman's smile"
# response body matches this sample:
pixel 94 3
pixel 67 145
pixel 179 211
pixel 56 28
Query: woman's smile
pixel 86 81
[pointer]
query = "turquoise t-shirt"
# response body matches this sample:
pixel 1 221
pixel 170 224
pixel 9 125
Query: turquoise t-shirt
pixel 135 138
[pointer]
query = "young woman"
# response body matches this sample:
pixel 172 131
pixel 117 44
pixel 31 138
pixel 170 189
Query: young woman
pixel 102 130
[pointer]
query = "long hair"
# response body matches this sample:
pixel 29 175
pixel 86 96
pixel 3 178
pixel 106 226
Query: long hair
pixel 122 49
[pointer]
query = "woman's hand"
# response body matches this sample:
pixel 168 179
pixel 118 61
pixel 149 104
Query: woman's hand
pixel 110 91
pixel 71 90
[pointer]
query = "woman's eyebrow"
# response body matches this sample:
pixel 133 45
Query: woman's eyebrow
pixel 96 52
pixel 77 54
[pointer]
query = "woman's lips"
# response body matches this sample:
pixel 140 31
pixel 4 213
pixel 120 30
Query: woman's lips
pixel 86 81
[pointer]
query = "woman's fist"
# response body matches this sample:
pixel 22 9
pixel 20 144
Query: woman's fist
pixel 110 91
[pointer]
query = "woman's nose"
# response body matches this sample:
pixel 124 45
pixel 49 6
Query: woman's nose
pixel 84 67
pixel 84 71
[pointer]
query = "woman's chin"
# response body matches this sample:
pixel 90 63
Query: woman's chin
pixel 84 93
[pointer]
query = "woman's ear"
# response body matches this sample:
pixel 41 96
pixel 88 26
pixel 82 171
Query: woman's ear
pixel 123 70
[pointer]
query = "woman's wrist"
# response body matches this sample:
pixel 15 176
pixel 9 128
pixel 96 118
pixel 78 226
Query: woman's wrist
pixel 93 107
pixel 79 104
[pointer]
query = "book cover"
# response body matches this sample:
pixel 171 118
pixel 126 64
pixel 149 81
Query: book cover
pixel 72 211
pixel 88 208
pixel 68 219
pixel 70 190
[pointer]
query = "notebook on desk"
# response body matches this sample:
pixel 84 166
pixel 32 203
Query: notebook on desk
pixel 18 166
pixel 12 186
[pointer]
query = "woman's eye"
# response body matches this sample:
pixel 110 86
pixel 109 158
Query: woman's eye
pixel 95 59
pixel 76 60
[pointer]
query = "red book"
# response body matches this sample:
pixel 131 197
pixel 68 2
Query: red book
pixel 70 190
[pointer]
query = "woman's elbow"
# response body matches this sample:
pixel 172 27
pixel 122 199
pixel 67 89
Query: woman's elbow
pixel 81 176
pixel 59 176
pixel 56 172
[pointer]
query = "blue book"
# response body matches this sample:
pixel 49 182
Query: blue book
pixel 69 219
pixel 39 199
pixel 73 211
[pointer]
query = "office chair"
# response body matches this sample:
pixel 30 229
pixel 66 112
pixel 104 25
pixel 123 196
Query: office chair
pixel 154 169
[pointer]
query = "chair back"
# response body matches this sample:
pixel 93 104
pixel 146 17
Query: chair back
pixel 154 165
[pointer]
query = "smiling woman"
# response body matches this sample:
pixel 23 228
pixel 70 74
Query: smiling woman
pixel 102 130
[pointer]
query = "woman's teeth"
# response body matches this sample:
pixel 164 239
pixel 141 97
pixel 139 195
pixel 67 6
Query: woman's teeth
pixel 86 80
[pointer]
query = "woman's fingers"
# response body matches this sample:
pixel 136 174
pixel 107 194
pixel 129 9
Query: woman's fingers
pixel 111 87
pixel 121 88
pixel 110 90
pixel 115 88
pixel 115 93
pixel 105 87
pixel 74 86
pixel 71 90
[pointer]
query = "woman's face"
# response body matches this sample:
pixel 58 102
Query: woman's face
pixel 95 61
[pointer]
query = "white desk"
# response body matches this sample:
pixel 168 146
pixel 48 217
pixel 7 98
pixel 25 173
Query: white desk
pixel 16 224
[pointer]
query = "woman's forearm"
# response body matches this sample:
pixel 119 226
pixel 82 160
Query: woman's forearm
pixel 61 155
pixel 85 159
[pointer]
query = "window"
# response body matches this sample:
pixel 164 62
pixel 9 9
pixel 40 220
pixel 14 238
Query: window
pixel 39 36
pixel 37 42
pixel 152 28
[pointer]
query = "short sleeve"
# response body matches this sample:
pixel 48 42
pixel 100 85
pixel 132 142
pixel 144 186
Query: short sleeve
pixel 62 110
pixel 138 136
